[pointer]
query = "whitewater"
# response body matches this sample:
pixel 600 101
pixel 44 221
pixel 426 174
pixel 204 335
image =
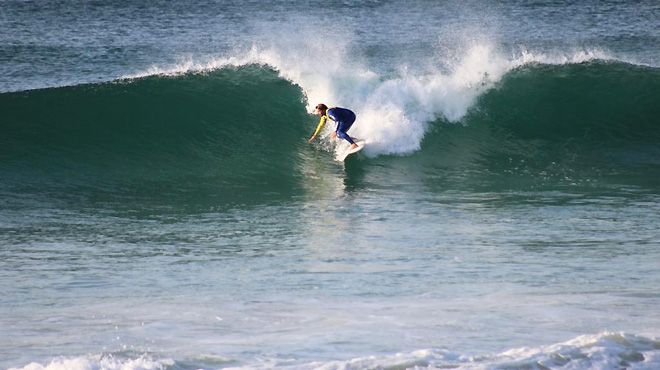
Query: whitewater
pixel 395 111
pixel 160 207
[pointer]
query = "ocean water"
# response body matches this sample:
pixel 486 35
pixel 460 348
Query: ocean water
pixel 160 207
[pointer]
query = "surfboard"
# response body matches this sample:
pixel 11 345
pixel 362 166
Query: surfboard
pixel 345 150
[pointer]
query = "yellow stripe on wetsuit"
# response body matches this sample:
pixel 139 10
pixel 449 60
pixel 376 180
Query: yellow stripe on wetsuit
pixel 324 118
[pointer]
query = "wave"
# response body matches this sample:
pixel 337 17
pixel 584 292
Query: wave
pixel 396 109
pixel 558 123
pixel 239 126
pixel 601 351
pixel 229 129
pixel 592 101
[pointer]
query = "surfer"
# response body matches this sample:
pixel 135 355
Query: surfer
pixel 342 116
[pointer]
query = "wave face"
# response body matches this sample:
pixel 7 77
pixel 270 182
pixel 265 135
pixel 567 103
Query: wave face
pixel 558 123
pixel 225 132
pixel 592 102
pixel 239 131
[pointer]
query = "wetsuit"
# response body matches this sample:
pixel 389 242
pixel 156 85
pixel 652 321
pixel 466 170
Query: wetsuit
pixel 344 119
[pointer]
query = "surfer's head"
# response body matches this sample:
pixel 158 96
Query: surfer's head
pixel 321 109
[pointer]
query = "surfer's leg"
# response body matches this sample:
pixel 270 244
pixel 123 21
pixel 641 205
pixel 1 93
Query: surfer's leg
pixel 345 136
pixel 342 127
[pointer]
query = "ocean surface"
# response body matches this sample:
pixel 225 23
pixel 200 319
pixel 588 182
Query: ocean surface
pixel 160 207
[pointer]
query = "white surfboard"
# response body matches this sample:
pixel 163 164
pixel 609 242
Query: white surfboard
pixel 344 150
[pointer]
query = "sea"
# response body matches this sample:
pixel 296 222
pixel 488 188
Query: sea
pixel 161 207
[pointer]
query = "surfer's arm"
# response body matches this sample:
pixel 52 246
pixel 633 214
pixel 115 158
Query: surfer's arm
pixel 318 128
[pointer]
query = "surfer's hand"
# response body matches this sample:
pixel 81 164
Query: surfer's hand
pixel 333 135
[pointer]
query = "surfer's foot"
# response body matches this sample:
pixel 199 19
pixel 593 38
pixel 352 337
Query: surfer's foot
pixel 353 146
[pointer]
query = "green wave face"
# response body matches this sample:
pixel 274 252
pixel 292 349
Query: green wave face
pixel 229 134
pixel 592 102
pixel 548 126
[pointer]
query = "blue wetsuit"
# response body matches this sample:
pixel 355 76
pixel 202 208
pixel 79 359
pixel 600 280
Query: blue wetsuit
pixel 344 118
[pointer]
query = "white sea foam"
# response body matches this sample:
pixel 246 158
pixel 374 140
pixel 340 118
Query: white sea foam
pixel 601 351
pixel 99 362
pixel 394 111
pixel 588 352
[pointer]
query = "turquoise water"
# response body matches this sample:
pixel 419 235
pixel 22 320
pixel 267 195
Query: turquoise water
pixel 160 207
